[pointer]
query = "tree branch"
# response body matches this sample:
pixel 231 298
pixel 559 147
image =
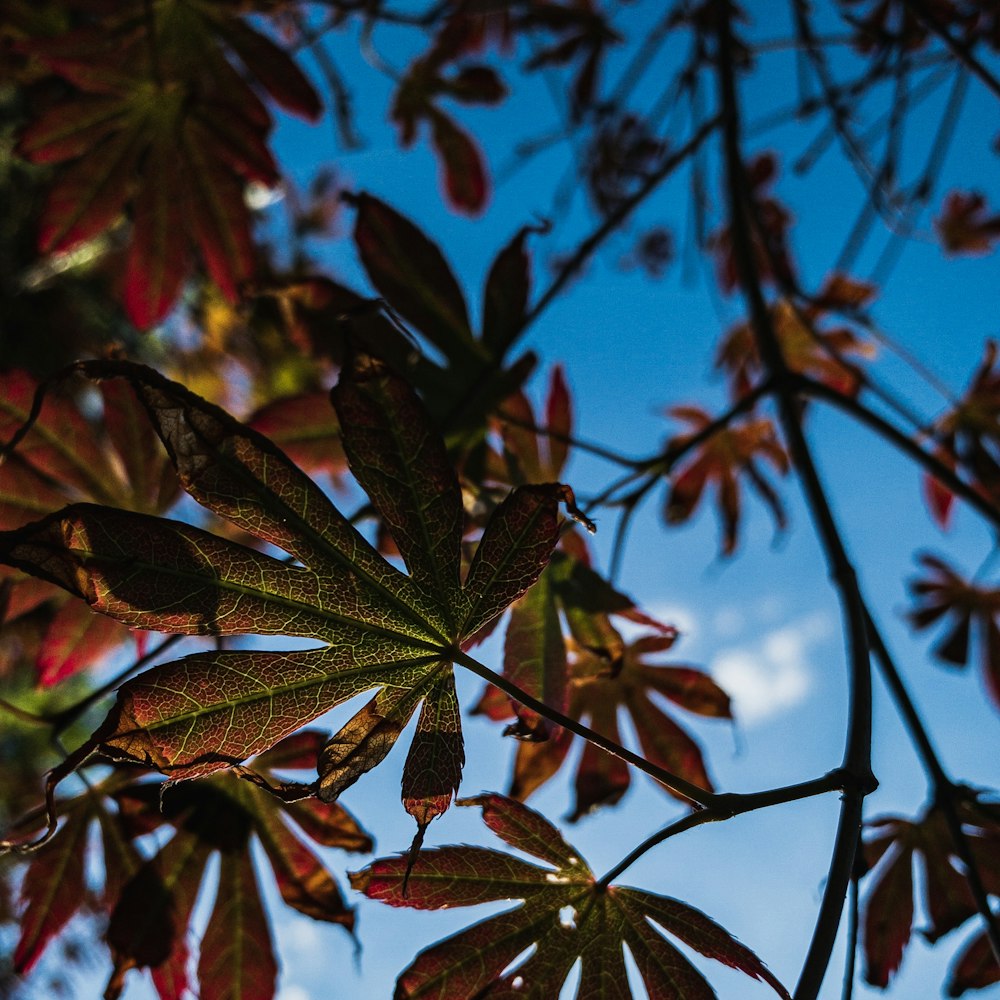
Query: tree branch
pixel 905 444
pixel 726 806
pixel 857 753
pixel 961 49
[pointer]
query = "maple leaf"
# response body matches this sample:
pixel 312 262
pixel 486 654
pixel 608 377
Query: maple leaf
pixel 598 690
pixel 806 348
pixel 591 674
pixel 975 967
pixel 566 915
pixel 944 594
pixel 163 124
pixel 306 429
pixel 968 436
pixel 379 628
pixel 148 925
pixel 533 453
pixel 965 226
pixel 728 455
pixel 64 457
pixel 54 887
pixel 948 902
pixel 423 84
pixel 410 271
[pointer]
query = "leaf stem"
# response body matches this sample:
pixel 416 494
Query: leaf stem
pixel 22 713
pixel 725 806
pixel 674 782
pixel 65 717
pixel 611 223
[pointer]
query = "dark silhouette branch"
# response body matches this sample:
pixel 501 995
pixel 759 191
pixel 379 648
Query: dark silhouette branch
pixel 905 444
pixel 857 753
pixel 728 805
pixel 674 782
pixel 959 47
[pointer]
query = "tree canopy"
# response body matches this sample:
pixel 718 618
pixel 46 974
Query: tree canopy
pixel 330 336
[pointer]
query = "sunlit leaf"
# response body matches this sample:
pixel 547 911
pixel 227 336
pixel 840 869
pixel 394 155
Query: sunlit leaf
pixel 567 915
pixel 729 458
pixel 378 628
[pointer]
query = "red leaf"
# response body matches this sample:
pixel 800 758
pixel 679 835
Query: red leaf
pixel 410 271
pixel 76 638
pixel 53 889
pixel 464 170
pixel 965 226
pixel 237 959
pixel 274 69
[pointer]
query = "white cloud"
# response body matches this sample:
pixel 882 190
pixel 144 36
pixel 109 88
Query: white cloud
pixel 294 992
pixel 773 675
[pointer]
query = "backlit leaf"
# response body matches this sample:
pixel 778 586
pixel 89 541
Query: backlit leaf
pixel 730 457
pixel 411 272
pixel 236 955
pixel 378 628
pixel 53 889
pixel 567 915
pixel 890 853
pixel 967 609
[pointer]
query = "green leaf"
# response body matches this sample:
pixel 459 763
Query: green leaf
pixel 404 468
pixel 381 630
pixel 567 915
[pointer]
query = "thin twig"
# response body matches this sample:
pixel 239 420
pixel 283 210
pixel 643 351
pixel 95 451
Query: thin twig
pixel 62 719
pixel 727 806
pixel 961 48
pixel 582 254
pixel 907 445
pixel 674 782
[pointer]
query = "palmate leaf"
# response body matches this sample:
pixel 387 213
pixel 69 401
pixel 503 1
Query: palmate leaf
pixel 806 346
pixel 965 608
pixel 411 272
pixel 598 690
pixel 150 917
pixel 730 458
pixel 567 915
pixel 379 628
pixel 54 888
pixel 66 456
pixel 890 851
pixel 164 126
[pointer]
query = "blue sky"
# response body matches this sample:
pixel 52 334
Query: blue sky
pixel 764 623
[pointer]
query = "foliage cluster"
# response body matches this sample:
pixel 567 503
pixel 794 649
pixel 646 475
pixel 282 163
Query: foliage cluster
pixel 146 299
